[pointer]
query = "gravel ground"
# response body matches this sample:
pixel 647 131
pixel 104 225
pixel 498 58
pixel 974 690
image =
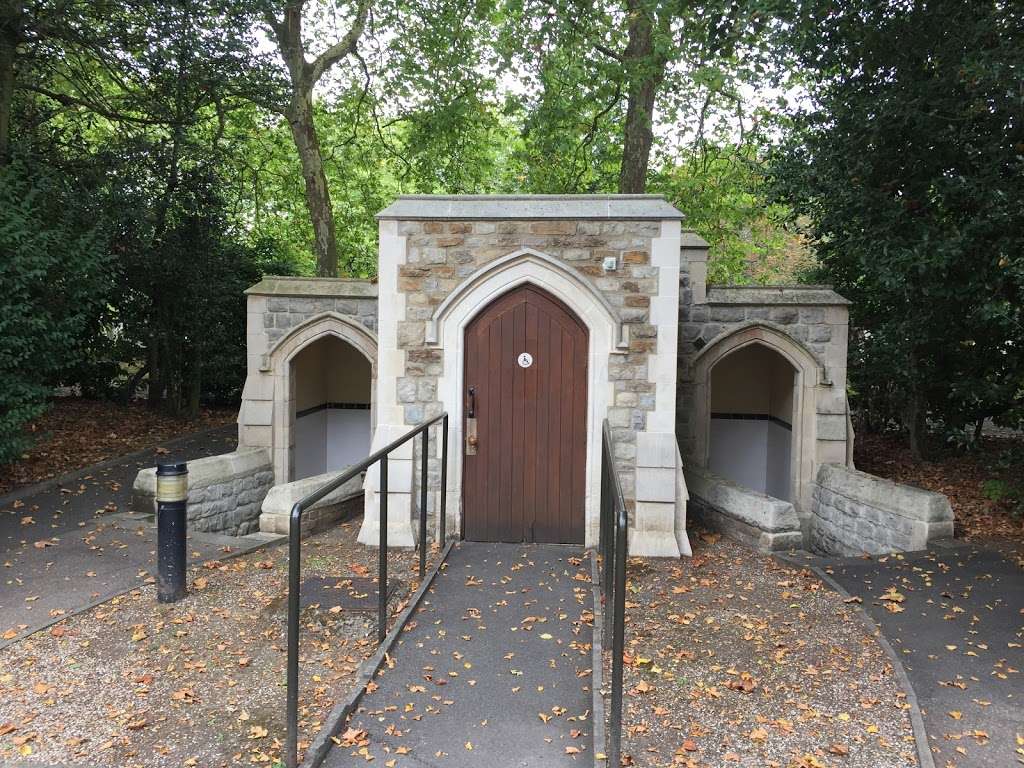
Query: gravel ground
pixel 198 683
pixel 735 659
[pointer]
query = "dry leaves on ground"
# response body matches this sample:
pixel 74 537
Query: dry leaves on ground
pixel 133 683
pixel 76 432
pixel 734 659
pixel 959 476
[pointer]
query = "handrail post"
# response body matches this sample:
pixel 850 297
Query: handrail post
pixel 292 739
pixel 618 639
pixel 424 451
pixel 382 557
pixel 444 477
pixel 291 747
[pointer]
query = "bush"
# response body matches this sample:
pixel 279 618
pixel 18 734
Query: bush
pixel 55 287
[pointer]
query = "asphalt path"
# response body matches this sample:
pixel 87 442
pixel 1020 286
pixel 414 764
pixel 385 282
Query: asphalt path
pixel 493 669
pixel 71 543
pixel 955 618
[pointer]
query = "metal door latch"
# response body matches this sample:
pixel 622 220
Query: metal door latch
pixel 471 436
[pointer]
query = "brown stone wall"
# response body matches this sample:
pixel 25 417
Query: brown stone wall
pixel 440 255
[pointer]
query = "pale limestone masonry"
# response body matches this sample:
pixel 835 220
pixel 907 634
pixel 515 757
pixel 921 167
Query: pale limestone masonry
pixel 656 330
pixel 283 316
pixel 857 513
pixel 276 511
pixel 807 325
pixel 758 520
pixel 444 258
pixel 834 508
pixel 225 492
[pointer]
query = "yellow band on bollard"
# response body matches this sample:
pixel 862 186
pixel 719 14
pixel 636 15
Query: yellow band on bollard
pixel 171 488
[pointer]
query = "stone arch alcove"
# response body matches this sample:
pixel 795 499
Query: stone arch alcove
pixel 757 363
pixel 328 348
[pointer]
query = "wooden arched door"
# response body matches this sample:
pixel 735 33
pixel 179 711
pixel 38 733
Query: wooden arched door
pixel 526 367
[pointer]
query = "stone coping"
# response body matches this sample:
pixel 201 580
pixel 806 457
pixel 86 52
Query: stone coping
pixel 765 513
pixel 802 295
pixel 281 498
pixel 690 239
pixel 896 498
pixel 341 287
pixel 210 470
pixel 498 207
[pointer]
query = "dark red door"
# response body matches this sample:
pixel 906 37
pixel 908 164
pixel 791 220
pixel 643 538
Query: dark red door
pixel 526 361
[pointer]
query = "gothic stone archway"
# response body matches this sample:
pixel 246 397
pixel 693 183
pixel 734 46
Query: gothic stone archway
pixel 280 360
pixel 807 377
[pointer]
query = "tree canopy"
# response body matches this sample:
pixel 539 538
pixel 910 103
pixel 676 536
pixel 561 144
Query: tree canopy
pixel 908 162
pixel 874 144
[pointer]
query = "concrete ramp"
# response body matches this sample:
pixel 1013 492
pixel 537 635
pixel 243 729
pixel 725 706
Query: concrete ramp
pixel 493 669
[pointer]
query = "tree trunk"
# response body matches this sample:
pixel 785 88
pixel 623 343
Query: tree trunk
pixel 645 71
pixel 915 425
pixel 154 395
pixel 193 386
pixel 9 33
pixel 318 196
pixel 133 384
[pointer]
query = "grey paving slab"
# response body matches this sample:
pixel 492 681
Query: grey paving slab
pixel 959 635
pixel 493 669
pixel 63 546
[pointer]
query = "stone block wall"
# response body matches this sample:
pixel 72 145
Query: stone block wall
pixel 815 319
pixel 441 254
pixel 277 506
pixel 225 492
pixel 808 325
pixel 762 522
pixel 613 260
pixel 283 315
pixel 856 513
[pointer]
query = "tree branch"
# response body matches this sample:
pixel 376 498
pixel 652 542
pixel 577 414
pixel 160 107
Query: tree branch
pixel 288 34
pixel 342 48
pixel 74 101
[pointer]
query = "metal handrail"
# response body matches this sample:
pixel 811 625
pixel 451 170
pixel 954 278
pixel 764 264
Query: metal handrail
pixel 612 546
pixel 294 540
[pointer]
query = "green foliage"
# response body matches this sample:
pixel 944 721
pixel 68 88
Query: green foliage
pixel 177 182
pixel 1006 493
pixel 698 69
pixel 178 311
pixel 263 186
pixel 723 192
pixel 909 164
pixel 54 273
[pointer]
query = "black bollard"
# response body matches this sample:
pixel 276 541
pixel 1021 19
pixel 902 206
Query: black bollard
pixel 171 508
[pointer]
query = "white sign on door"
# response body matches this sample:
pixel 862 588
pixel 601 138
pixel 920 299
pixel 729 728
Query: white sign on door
pixel 525 360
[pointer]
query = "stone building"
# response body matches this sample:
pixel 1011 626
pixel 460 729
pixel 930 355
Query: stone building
pixel 542 317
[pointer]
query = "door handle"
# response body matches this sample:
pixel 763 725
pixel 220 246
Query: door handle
pixel 471 437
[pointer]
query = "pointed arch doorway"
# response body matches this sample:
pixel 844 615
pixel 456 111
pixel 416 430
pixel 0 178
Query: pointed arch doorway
pixel 525 384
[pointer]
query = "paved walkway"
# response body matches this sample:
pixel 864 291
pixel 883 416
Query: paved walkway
pixel 493 669
pixel 67 545
pixel 960 636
